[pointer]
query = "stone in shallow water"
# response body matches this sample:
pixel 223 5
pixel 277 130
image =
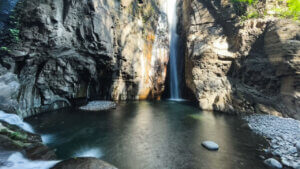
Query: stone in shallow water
pixel 83 163
pixel 98 106
pixel 271 162
pixel 210 145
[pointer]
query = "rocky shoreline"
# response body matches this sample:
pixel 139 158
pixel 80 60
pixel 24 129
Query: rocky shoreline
pixel 283 135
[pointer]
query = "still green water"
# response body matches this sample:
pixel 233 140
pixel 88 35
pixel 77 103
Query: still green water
pixel 152 135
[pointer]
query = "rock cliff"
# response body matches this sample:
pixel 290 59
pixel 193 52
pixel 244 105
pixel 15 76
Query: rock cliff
pixel 64 51
pixel 57 53
pixel 233 66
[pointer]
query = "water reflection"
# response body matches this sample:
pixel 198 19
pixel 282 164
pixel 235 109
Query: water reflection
pixel 153 135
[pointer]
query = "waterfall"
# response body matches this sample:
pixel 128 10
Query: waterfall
pixel 173 36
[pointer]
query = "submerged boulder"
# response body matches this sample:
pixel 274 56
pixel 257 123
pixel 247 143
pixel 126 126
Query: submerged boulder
pixel 83 162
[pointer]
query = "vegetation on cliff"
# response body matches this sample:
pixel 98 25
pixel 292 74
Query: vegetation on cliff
pixel 247 9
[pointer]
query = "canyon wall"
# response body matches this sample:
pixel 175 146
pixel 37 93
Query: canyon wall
pixel 65 51
pixel 58 53
pixel 240 67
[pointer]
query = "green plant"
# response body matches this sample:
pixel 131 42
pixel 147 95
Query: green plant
pixel 251 15
pixel 15 34
pixel 13 134
pixel 3 48
pixel 18 136
pixel 249 2
pixel 294 8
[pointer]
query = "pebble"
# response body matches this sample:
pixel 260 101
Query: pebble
pixel 210 145
pixel 98 106
pixel 283 135
pixel 271 162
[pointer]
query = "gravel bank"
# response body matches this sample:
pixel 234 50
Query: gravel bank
pixel 282 134
pixel 98 106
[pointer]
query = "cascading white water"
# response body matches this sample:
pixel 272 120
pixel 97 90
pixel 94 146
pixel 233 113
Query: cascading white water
pixel 15 120
pixel 16 160
pixel 173 36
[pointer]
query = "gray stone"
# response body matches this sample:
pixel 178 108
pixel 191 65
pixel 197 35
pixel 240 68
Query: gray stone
pixel 210 145
pixel 271 162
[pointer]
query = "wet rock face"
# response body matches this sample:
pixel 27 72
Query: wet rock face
pixel 9 88
pixel 234 67
pixel 71 50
